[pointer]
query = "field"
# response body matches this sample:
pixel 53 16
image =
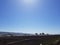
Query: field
pixel 30 40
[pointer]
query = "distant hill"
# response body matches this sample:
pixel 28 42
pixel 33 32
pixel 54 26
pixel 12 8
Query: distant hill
pixel 2 34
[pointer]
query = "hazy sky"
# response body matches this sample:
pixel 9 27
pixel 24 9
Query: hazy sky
pixel 30 16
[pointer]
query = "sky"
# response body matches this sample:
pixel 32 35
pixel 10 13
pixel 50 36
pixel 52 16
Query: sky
pixel 30 16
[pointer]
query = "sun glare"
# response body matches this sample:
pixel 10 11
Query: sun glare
pixel 29 2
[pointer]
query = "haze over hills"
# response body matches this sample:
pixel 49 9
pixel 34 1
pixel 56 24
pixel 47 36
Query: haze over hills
pixel 14 34
pixel 3 34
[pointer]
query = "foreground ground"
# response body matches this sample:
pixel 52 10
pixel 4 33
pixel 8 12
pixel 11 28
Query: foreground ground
pixel 30 40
